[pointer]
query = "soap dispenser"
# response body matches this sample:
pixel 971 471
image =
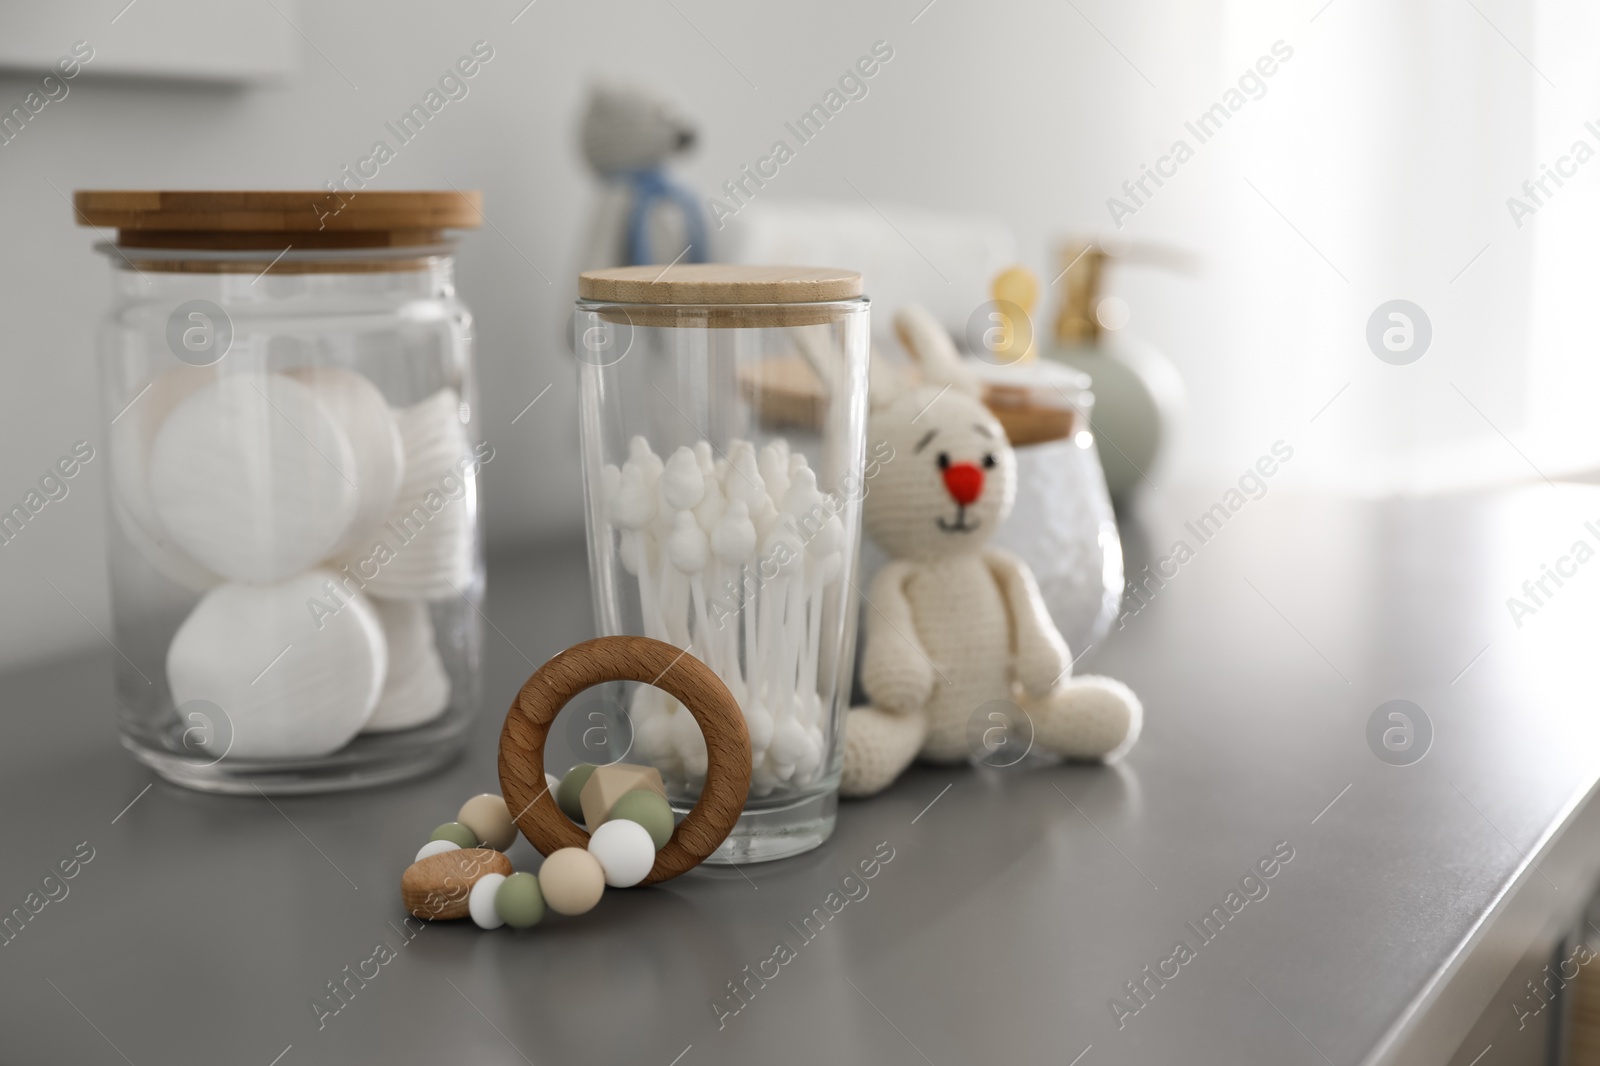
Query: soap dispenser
pixel 1062 526
pixel 1139 396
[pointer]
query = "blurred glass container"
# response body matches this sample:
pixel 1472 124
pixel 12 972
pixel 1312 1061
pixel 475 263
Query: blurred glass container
pixel 723 419
pixel 295 555
pixel 1063 525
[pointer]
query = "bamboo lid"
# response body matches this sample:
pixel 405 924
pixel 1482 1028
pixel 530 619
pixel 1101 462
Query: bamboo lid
pixel 272 222
pixel 720 295
pixel 719 283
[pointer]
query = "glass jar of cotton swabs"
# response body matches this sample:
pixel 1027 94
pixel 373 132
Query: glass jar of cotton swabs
pixel 723 421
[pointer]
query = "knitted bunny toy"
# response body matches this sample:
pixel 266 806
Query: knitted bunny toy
pixel 951 624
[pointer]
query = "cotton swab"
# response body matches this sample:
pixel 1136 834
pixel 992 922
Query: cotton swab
pixel 688 551
pixel 734 542
pixel 706 536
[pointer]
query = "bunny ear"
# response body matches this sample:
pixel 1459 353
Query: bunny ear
pixel 885 383
pixel 816 346
pixel 930 345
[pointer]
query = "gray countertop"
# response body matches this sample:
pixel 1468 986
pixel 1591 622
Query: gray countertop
pixel 1016 905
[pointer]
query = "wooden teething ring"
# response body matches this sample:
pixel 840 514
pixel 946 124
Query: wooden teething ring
pixel 650 662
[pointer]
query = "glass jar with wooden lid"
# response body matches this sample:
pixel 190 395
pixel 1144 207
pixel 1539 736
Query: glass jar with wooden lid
pixel 295 556
pixel 723 420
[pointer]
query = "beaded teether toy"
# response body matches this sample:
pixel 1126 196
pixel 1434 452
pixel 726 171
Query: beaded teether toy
pixel 630 837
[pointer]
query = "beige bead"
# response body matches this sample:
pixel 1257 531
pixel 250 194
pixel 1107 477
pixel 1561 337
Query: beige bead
pixel 610 783
pixel 487 816
pixel 572 881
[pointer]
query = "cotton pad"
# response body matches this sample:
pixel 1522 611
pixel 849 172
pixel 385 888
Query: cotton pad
pixel 426 546
pixel 416 689
pixel 253 477
pixel 295 668
pixel 361 411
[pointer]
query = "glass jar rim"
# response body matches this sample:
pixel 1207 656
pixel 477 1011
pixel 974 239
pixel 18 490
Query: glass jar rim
pixel 283 260
pixel 725 315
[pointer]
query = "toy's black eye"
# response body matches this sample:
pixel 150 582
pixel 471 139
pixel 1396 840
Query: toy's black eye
pixel 988 461
pixel 944 460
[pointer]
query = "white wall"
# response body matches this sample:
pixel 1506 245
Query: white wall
pixel 1013 109
pixel 1020 108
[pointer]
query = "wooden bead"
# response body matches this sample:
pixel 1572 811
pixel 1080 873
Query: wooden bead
pixel 608 784
pixel 649 662
pixel 572 881
pixel 440 885
pixel 487 816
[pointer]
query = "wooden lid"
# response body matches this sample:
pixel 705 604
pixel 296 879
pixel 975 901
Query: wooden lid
pixel 719 284
pixel 1026 421
pixel 229 219
pixel 271 223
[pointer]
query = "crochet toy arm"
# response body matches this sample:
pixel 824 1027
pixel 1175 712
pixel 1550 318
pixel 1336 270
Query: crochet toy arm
pixel 896 671
pixel 1040 656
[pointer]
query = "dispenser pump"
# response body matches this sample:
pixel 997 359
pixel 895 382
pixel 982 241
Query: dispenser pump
pixel 1083 268
pixel 1083 263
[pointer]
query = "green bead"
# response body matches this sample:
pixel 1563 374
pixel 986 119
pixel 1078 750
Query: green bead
pixel 571 788
pixel 518 901
pixel 457 834
pixel 649 809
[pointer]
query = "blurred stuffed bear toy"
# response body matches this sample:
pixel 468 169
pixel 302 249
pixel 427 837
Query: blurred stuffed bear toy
pixel 642 215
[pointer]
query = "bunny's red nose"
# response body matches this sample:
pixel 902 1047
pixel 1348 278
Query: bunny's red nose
pixel 964 482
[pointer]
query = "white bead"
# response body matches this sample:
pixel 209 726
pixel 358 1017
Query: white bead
pixel 436 847
pixel 624 851
pixel 480 901
pixel 553 783
pixel 254 477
